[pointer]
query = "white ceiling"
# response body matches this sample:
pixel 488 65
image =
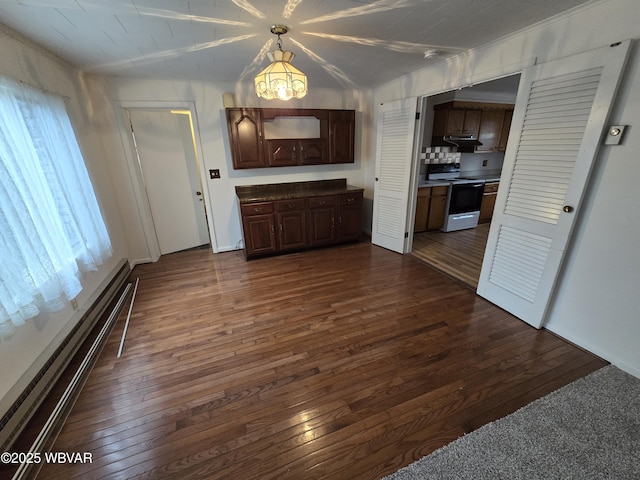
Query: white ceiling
pixel 356 44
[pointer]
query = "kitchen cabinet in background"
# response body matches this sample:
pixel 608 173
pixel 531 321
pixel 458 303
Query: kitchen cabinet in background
pixel 431 205
pixel 422 209
pixel 454 121
pixel 488 202
pixel 504 132
pixel 490 122
pixel 437 207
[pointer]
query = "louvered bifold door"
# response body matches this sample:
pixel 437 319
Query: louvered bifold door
pixel 559 118
pixel 395 134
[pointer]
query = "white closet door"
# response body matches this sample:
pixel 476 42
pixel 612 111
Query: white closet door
pixel 558 123
pixel 396 127
pixel 167 159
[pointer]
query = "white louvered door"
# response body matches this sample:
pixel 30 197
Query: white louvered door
pixel 558 122
pixel 396 128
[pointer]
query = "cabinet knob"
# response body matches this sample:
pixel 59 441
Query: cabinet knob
pixel 257 209
pixel 350 200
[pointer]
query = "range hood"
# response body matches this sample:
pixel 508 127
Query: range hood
pixel 462 140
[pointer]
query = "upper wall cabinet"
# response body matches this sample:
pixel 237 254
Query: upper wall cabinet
pixel 279 137
pixel 246 136
pixel 490 122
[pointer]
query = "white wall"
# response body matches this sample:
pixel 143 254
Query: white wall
pixel 23 354
pixel 207 99
pixel 596 304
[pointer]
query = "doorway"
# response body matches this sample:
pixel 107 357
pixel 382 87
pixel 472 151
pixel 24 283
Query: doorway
pixel 459 254
pixel 164 147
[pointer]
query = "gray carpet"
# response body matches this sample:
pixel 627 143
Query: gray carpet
pixel 589 429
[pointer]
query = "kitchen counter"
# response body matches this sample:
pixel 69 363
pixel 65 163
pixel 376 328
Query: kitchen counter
pixel 285 191
pixel 488 176
pixel 432 183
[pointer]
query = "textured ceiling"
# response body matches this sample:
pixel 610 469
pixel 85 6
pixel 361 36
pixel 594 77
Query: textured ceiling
pixel 337 43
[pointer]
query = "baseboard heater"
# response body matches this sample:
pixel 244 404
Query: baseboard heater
pixel 23 409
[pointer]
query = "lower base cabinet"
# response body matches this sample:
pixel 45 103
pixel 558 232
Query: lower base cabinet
pixel 431 206
pixel 488 202
pixel 295 224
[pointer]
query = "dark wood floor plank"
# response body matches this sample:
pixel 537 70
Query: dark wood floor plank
pixel 340 363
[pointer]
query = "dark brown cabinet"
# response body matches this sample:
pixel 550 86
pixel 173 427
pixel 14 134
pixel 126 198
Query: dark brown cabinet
pixel 341 136
pixel 322 220
pixel 246 136
pixel 288 153
pixel 349 217
pixel 291 222
pixel 303 220
pixel 249 148
pixel 259 228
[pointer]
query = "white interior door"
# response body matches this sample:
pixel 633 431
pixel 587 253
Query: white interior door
pixel 558 122
pixel 395 133
pixel 165 149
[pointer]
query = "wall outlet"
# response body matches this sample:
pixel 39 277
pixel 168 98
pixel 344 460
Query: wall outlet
pixel 485 162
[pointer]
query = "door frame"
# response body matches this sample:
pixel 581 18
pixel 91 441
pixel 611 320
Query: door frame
pixel 143 207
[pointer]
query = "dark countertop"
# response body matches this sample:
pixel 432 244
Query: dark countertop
pixel 285 191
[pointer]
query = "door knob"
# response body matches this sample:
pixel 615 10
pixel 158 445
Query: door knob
pixel 568 208
pixel 198 193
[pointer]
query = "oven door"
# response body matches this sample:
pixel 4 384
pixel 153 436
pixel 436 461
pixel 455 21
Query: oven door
pixel 465 197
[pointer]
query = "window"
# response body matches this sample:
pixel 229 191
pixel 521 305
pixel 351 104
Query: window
pixel 51 227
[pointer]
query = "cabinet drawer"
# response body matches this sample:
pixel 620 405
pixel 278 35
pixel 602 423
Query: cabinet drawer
pixel 326 201
pixel 440 190
pixel 424 192
pixel 260 208
pixel 290 205
pixel 491 187
pixel 350 198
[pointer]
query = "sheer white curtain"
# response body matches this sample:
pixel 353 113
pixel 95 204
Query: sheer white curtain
pixel 51 227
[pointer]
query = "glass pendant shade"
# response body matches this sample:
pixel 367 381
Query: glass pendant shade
pixel 281 80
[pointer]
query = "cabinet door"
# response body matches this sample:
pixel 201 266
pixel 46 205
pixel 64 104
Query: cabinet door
pixel 322 214
pixel 282 153
pixel 245 137
pixel 349 216
pixel 259 235
pixel 455 122
pixel 471 124
pixel 422 209
pixel 437 208
pixel 313 151
pixel 292 223
pixel 341 136
pixel 460 121
pixel 504 132
pixel 488 202
pixel 490 128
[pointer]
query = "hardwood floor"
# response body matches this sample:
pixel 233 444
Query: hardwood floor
pixel 458 254
pixel 340 363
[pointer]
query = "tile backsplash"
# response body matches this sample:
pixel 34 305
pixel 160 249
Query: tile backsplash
pixel 440 155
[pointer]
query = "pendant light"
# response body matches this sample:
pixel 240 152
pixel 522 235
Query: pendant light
pixel 280 80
